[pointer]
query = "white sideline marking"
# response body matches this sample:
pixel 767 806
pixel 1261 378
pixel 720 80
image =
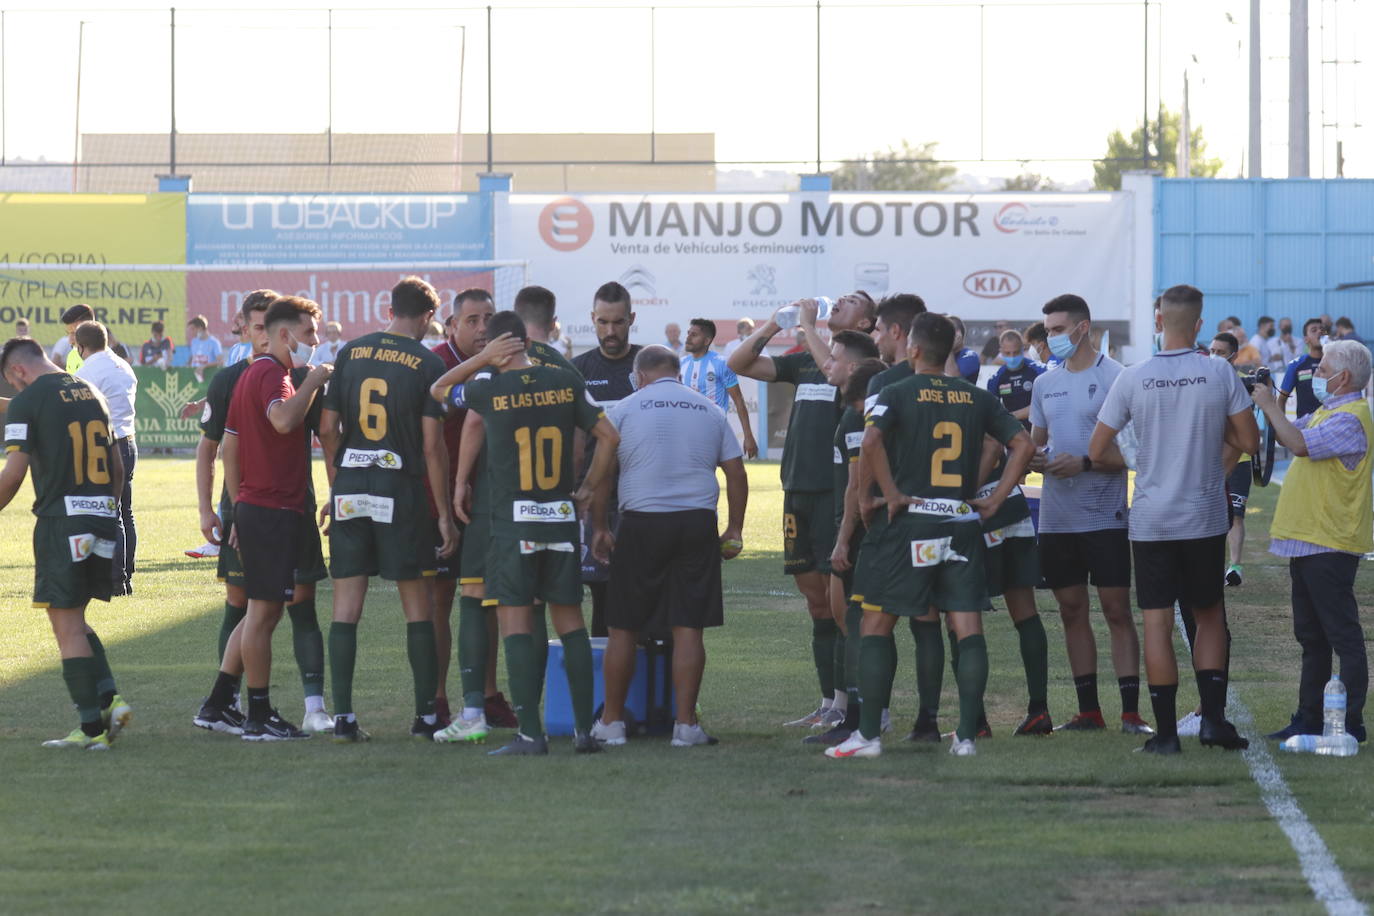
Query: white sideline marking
pixel 1319 867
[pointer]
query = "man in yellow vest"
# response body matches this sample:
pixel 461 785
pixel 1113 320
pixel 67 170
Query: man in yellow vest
pixel 1323 524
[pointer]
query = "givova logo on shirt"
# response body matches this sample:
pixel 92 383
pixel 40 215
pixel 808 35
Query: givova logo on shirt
pixel 527 510
pixel 1150 383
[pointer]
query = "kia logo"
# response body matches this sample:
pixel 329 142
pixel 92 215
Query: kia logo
pixel 992 284
pixel 565 224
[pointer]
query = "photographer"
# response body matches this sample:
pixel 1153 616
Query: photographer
pixel 1323 526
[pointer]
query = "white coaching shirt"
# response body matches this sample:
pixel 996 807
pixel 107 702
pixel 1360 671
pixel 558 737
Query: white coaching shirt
pixel 113 378
pixel 671 440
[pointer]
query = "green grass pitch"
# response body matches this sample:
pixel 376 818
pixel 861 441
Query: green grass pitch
pixel 176 819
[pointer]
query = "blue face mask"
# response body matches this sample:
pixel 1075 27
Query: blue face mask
pixel 1014 362
pixel 1319 390
pixel 1062 346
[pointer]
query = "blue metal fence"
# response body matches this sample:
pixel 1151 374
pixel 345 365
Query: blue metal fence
pixel 1269 247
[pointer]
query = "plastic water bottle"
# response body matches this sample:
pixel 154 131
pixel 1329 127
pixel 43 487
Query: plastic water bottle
pixel 1333 708
pixel 790 316
pixel 1323 745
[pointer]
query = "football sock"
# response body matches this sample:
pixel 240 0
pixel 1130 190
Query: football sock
pixel 539 629
pixel 259 704
pixel 222 694
pixel 472 650
pixel 80 675
pixel 343 654
pixel 853 621
pixel 823 634
pixel 308 643
pixel 1035 655
pixel 973 682
pixel 1163 698
pixel 1130 693
pixel 232 617
pixel 1211 687
pixel 577 661
pixel 838 662
pixel 520 672
pixel 953 653
pixel 930 664
pixel 104 678
pixel 854 707
pixel 1086 685
pixel 424 665
pixel 875 680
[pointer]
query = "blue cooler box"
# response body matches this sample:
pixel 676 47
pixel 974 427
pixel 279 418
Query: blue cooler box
pixel 558 712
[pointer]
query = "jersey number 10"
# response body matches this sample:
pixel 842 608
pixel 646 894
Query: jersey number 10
pixel 541 456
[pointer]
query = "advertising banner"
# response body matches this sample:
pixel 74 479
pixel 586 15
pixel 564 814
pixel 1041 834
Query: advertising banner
pixel 985 257
pixel 91 229
pixel 320 228
pixel 358 299
pixel 162 393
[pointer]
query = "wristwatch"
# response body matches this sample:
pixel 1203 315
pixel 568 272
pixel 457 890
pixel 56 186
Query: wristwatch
pixel 1087 463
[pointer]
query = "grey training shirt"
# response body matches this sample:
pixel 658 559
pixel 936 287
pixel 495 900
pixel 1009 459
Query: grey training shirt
pixel 671 440
pixel 1066 404
pixel 1179 401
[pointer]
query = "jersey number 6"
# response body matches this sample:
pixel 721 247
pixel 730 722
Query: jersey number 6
pixel 372 414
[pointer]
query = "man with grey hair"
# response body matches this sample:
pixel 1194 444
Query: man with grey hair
pixel 665 557
pixel 1323 525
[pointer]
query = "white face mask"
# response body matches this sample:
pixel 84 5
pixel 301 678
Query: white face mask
pixel 300 353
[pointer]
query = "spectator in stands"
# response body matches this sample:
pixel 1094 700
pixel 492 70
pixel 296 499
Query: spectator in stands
pixel 743 328
pixel 206 351
pixel 328 351
pixel 1247 354
pixel 1283 350
pixel 156 350
pixel 21 328
pixel 434 336
pixel 1345 330
pixel 1322 526
pixel 242 347
pixel 672 333
pixel 1298 378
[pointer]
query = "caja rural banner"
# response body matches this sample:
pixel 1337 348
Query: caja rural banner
pixel 984 257
pixel 162 393
pixel 92 230
pixel 234 229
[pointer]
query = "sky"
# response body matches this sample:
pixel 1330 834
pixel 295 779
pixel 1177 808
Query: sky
pixel 1009 82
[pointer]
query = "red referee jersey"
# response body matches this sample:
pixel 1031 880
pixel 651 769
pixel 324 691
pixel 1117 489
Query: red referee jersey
pixel 274 470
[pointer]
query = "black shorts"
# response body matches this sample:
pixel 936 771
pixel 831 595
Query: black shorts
pixel 310 567
pixel 1187 571
pixel 269 543
pixel 1075 558
pixel 665 567
pixel 808 531
pixel 382 526
pixel 1238 486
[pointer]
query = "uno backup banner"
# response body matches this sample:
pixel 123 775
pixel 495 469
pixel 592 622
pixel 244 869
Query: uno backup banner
pixel 729 256
pixel 92 229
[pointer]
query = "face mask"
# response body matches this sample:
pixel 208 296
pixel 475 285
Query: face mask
pixel 1062 345
pixel 1319 389
pixel 300 353
pixel 1014 362
pixel 1219 356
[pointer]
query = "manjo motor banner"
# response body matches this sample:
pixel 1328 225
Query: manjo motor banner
pixel 92 230
pixel 729 256
pixel 247 229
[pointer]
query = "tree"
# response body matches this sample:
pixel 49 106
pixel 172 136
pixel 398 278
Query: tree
pixel 1029 181
pixel 1124 154
pixel 911 168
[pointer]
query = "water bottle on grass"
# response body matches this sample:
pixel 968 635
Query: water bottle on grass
pixel 1333 741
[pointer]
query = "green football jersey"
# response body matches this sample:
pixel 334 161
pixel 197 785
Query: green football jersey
pixel 849 436
pixel 897 372
pixel 815 411
pixel 933 428
pixel 380 389
pixel 542 354
pixel 1013 510
pixel 63 425
pixel 530 415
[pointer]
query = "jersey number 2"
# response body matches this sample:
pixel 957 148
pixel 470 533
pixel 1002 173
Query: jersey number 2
pixel 372 414
pixel 90 459
pixel 535 465
pixel 954 433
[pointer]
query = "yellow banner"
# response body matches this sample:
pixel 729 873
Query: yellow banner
pixel 92 229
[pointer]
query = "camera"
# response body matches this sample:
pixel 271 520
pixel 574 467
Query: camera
pixel 1260 376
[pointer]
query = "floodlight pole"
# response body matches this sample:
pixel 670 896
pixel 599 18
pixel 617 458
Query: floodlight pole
pixel 1145 93
pixel 818 87
pixel 1299 143
pixel 76 132
pixel 488 89
pixel 1256 100
pixel 172 134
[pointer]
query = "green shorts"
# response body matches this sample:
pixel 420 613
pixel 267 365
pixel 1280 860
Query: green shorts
pixel 382 526
pixel 923 566
pixel 72 560
pixel 1011 562
pixel 310 567
pixel 808 531
pixel 863 559
pixel 447 567
pixel 520 573
pixel 473 548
